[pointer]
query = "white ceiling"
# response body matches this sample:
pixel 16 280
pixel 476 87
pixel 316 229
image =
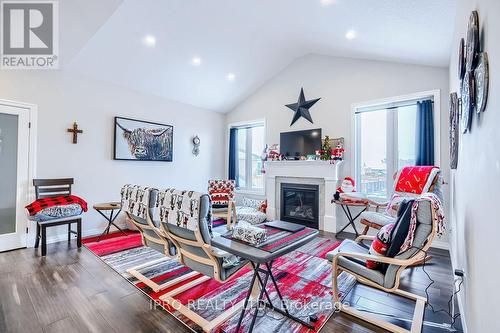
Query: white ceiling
pixel 254 39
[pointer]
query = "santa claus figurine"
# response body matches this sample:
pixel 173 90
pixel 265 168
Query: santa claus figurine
pixel 347 186
pixel 338 152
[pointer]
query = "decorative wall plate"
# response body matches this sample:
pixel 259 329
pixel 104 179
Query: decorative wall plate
pixel 481 75
pixel 472 41
pixel 461 59
pixel 468 90
pixel 454 129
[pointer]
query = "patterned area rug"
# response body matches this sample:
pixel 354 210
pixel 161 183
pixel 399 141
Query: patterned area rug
pixel 303 276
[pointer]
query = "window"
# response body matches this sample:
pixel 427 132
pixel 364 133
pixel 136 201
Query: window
pixel 385 141
pixel 248 167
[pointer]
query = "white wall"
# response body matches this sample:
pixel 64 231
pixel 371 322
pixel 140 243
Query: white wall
pixel 339 82
pixel 63 98
pixel 475 184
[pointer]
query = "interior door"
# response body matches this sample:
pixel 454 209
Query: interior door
pixel 14 175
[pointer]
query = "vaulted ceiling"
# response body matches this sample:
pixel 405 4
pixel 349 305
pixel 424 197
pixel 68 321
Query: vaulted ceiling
pixel 214 54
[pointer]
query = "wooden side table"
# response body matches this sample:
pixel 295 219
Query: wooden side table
pixel 347 211
pixel 111 207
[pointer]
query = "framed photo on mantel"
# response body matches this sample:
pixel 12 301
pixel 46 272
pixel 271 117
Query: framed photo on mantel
pixel 138 140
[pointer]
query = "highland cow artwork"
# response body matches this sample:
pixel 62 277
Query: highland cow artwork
pixel 143 140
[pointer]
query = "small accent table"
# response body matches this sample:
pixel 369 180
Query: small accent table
pixel 347 211
pixel 262 261
pixel 111 207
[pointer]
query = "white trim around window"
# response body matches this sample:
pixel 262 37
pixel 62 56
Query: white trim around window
pixel 242 124
pixel 367 106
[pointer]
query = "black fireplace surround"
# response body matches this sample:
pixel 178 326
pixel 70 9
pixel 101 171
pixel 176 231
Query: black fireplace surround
pixel 300 204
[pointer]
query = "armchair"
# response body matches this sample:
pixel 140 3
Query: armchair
pixel 139 204
pixel 187 223
pixel 351 256
pixel 379 214
pixel 221 193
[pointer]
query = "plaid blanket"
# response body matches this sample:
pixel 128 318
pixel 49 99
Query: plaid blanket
pixel 41 204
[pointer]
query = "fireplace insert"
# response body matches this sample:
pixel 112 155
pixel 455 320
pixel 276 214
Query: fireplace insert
pixel 300 204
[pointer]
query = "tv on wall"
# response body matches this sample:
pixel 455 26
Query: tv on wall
pixel 300 143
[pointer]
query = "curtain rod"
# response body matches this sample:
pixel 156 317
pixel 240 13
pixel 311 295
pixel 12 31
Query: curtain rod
pixel 389 106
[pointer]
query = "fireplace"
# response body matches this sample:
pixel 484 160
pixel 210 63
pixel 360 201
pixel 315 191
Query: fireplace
pixel 300 204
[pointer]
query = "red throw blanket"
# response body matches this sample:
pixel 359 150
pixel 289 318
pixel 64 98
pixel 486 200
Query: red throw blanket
pixel 41 204
pixel 413 179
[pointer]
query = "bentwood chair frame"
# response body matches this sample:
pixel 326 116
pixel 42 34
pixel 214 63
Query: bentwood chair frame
pixel 417 257
pixel 150 233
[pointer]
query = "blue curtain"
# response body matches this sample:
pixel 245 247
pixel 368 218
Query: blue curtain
pixel 425 134
pixel 233 155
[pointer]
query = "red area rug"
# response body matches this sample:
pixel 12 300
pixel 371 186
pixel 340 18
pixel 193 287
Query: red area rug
pixel 303 276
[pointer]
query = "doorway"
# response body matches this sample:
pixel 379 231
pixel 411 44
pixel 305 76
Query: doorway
pixel 16 171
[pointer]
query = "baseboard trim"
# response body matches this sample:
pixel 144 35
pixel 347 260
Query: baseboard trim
pixel 64 236
pixel 438 244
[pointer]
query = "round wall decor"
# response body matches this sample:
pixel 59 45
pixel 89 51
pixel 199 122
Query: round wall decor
pixel 472 40
pixel 481 76
pixel 461 59
pixel 454 129
pixel 468 91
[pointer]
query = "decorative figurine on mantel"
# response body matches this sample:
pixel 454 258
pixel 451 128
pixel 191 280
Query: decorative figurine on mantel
pixel 273 153
pixel 75 132
pixel 338 152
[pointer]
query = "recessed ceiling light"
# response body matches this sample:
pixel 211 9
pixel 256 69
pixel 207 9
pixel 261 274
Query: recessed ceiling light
pixel 196 61
pixel 149 40
pixel 327 2
pixel 351 34
pixel 230 77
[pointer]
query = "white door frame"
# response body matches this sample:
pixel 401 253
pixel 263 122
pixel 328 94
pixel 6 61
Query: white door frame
pixel 28 194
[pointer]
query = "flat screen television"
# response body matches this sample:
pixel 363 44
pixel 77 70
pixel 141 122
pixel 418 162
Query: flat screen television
pixel 300 143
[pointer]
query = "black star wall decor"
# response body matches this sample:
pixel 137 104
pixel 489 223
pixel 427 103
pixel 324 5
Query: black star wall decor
pixel 301 108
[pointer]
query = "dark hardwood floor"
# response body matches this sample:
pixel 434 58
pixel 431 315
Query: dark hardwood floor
pixel 71 290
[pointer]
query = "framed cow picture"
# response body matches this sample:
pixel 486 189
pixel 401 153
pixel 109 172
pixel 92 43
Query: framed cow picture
pixel 138 140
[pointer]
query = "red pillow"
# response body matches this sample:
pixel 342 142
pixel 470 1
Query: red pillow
pixel 380 245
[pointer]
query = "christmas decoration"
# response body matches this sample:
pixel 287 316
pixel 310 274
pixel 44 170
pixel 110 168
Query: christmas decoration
pixel 347 186
pixel 326 149
pixel 338 152
pixel 301 108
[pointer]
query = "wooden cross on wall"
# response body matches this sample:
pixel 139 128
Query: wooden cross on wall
pixel 75 132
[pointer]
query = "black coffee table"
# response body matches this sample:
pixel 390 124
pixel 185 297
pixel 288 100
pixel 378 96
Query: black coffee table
pixel 262 261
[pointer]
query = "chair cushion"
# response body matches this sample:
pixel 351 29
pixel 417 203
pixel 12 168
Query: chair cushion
pixel 57 212
pixel 378 218
pixel 355 265
pixel 251 215
pixel 62 219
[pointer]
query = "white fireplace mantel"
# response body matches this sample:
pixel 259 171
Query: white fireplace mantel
pixel 322 173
